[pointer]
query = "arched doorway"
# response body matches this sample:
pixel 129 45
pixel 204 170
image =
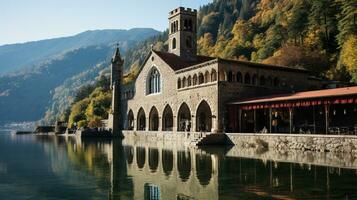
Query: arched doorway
pixel 141 120
pixel 154 119
pixel 130 121
pixel 167 119
pixel 203 117
pixel 184 118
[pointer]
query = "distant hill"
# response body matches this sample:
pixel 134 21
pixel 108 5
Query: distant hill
pixel 18 56
pixel 59 66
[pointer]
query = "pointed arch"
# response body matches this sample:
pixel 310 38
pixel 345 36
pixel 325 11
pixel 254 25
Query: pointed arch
pixel 178 83
pixel 207 77
pixel 174 43
pixel 230 76
pixel 184 118
pixel 153 83
pixel 203 117
pixel 189 81
pixel 201 79
pixel 130 120
pixel 167 119
pixel 141 120
pixel 213 75
pixel 183 82
pixel 154 119
pixel 195 80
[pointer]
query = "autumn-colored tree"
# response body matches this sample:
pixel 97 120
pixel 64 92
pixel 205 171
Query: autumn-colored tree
pixel 349 56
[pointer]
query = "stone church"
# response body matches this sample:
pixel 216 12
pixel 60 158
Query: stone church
pixel 180 91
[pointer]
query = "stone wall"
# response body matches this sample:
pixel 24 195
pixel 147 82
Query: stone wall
pixel 320 143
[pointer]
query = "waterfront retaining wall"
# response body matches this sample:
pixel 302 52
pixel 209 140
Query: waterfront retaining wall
pixel 320 143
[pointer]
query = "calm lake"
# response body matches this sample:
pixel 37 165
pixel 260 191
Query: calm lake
pixel 50 167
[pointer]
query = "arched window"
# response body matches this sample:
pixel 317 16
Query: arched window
pixel 201 79
pixel 177 26
pixel 154 81
pixel 213 75
pixel 184 82
pixel 239 77
pixel 174 43
pixel 247 79
pixel 195 79
pixel 190 26
pixel 230 76
pixel 207 77
pixel 189 81
pixel 178 83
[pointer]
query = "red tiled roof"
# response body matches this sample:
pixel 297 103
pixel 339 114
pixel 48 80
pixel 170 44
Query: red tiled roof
pixel 177 63
pixel 318 94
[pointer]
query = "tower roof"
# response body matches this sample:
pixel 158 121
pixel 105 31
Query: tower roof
pixel 117 57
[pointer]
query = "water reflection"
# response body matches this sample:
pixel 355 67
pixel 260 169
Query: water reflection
pixel 108 169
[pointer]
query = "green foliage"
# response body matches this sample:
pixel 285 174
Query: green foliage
pixel 94 107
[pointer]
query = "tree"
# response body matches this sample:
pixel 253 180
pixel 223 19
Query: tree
pixel 347 20
pixel 348 56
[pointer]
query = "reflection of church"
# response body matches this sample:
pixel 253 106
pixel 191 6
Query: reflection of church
pixel 180 91
pixel 160 173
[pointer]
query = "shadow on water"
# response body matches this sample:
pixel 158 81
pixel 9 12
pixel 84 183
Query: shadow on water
pixel 109 169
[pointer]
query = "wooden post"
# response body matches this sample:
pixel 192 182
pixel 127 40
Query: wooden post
pixel 270 119
pixel 326 117
pixel 314 118
pixel 255 121
pixel 291 119
pixel 240 120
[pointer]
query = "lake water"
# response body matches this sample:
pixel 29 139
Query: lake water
pixel 50 167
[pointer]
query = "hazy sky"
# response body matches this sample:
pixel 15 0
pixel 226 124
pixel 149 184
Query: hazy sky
pixel 28 20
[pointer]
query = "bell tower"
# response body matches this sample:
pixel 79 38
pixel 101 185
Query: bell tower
pixel 116 75
pixel 183 33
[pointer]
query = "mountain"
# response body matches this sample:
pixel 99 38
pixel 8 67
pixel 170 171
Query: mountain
pixel 19 56
pixel 27 93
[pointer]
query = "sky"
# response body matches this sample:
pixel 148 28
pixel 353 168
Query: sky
pixel 31 20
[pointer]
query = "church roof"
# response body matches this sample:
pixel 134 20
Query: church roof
pixel 177 63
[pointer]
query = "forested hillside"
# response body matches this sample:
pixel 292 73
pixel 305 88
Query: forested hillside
pixel 317 35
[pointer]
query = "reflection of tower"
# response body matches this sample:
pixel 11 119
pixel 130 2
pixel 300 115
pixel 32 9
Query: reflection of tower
pixel 116 67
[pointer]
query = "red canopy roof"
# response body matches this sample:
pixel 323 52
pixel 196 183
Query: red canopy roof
pixel 318 94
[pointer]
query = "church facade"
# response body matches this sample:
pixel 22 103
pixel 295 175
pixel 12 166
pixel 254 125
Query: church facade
pixel 180 91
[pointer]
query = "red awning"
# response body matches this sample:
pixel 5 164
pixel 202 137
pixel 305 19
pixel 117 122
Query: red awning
pixel 346 95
